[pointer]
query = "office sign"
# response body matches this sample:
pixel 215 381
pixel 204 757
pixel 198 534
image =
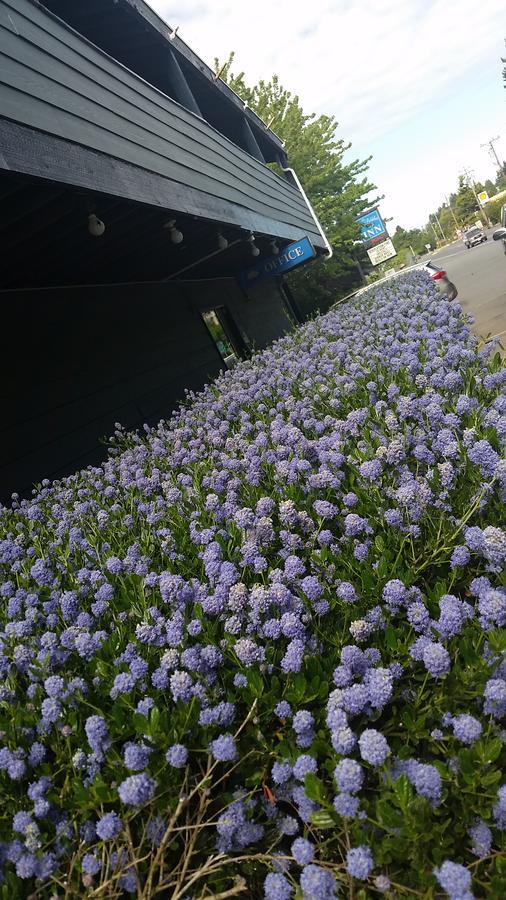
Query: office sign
pixel 381 252
pixel 288 258
pixel 372 228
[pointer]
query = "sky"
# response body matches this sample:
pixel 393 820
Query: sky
pixel 416 84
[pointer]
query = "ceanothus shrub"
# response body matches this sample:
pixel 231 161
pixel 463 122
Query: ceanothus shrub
pixel 264 640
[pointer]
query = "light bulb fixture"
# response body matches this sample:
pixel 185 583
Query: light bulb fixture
pixel 175 235
pixel 222 241
pixel 251 237
pixel 274 248
pixel 255 250
pixel 95 225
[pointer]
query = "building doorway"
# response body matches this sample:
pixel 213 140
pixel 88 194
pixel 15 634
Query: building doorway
pixel 226 335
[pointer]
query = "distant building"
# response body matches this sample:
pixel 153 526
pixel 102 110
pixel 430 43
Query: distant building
pixel 134 190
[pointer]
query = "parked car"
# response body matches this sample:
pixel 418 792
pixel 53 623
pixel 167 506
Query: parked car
pixel 500 233
pixel 473 236
pixel 440 279
pixel 438 276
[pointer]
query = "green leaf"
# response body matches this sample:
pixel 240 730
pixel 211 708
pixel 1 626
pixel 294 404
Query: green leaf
pixel 315 684
pixel 323 690
pixel 314 788
pixel 255 682
pixel 467 764
pixel 387 815
pixel 154 720
pixel 379 543
pixel 490 750
pixel 391 637
pixel 491 778
pixel 408 719
pixel 322 819
pixel 403 792
pixel 299 684
pixel 139 723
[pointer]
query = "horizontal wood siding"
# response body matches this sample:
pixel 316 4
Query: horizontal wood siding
pixel 77 360
pixel 91 357
pixel 53 80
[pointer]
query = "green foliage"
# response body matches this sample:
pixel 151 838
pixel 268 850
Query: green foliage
pixel 500 182
pixel 494 210
pixel 338 190
pixel 490 187
pixel 465 201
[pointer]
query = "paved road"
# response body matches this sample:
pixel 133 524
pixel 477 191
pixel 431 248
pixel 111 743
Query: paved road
pixel 480 276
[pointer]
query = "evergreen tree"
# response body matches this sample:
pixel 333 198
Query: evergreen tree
pixel 338 190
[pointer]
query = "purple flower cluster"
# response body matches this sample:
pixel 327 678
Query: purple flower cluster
pixel 359 862
pixel 293 578
pixel 455 880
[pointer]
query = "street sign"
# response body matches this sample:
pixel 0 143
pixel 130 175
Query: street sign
pixel 372 228
pixel 381 252
pixel 483 197
pixel 291 256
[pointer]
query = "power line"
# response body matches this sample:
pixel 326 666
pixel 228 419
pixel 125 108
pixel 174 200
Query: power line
pixel 492 150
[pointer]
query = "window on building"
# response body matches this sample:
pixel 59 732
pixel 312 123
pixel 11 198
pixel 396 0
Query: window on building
pixel 225 335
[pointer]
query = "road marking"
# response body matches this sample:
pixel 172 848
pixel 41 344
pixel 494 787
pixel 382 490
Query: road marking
pixel 451 255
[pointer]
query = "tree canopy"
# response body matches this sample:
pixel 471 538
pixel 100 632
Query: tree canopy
pixel 338 190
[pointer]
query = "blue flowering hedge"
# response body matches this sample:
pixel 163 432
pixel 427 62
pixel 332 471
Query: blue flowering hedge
pixel 259 650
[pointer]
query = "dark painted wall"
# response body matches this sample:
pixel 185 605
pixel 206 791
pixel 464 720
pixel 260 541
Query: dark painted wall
pixel 76 360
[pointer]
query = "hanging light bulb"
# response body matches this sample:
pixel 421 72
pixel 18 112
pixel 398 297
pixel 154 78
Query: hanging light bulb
pixel 175 235
pixel 251 237
pixel 95 225
pixel 222 241
pixel 274 248
pixel 255 250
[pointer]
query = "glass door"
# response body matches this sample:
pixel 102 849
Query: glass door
pixel 216 321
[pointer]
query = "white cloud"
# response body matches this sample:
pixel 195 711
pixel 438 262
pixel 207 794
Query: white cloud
pixel 370 62
pixel 377 65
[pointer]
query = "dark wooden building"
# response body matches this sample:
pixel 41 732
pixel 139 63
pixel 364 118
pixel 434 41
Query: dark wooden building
pixel 134 188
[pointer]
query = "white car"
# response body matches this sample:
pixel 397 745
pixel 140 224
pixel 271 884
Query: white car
pixel 473 236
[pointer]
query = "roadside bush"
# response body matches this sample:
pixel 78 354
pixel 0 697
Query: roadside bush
pixel 493 210
pixel 260 650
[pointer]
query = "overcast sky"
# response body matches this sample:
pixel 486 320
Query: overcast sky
pixel 415 83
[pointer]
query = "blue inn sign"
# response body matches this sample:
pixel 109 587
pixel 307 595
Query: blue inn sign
pixel 372 226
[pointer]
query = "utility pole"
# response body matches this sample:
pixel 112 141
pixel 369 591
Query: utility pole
pixel 492 151
pixel 439 226
pixel 451 210
pixel 469 175
pixel 435 232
